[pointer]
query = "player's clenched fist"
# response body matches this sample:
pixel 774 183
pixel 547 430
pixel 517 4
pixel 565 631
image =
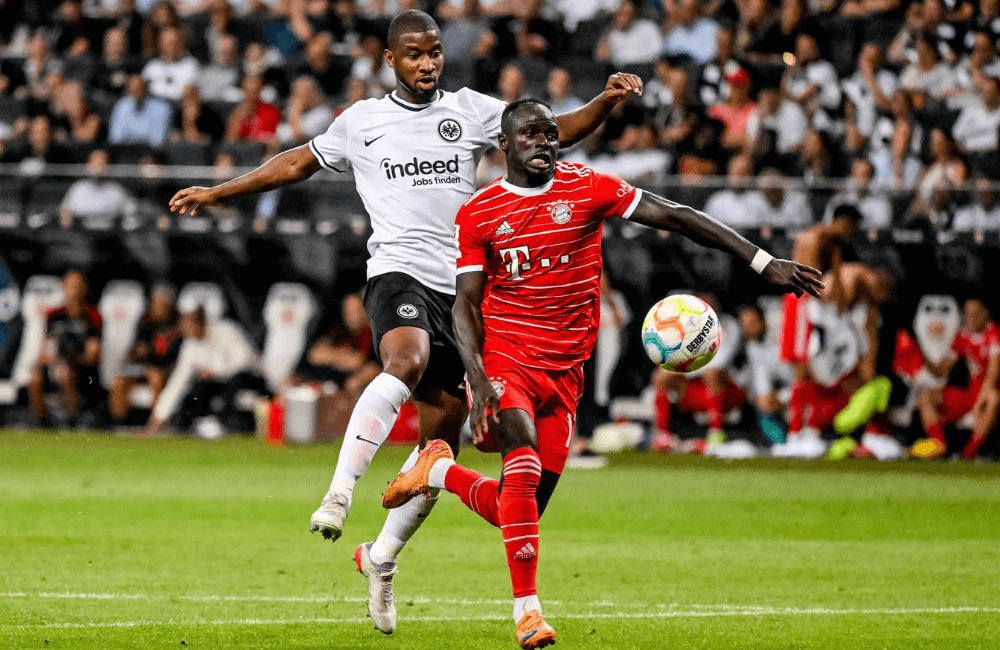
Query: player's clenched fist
pixel 620 85
pixel 485 406
pixel 193 198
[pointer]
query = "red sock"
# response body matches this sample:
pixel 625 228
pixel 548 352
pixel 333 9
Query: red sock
pixel 522 469
pixel 661 409
pixel 477 492
pixel 715 407
pixel 972 447
pixel 797 399
pixel 936 431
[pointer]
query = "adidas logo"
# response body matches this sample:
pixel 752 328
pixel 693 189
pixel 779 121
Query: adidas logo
pixel 526 553
pixel 505 229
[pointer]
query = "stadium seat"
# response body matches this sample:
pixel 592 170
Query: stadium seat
pixel 129 153
pixel 121 306
pixel 287 313
pixel 206 294
pixel 41 293
pixel 245 152
pixel 46 195
pixel 188 153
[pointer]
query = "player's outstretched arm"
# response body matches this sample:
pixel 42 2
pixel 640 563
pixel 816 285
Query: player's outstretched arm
pixel 578 124
pixel 292 166
pixel 467 315
pixel 657 212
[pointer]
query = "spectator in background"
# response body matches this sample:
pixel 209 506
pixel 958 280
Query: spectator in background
pixel 983 213
pixel 977 129
pixel 781 115
pixel 637 158
pixel 713 73
pixel 38 145
pixel 319 63
pixel 687 32
pixel 37 66
pixel 941 181
pixel 173 69
pixel 95 199
pixel 357 90
pixel 675 113
pixel 866 93
pixel 873 206
pixel 736 110
pixel 560 92
pixel 574 12
pixel 69 106
pixel 729 204
pixel 115 67
pixel 162 17
pixel 307 114
pixel 157 344
pixel 253 119
pixel 770 379
pixel 895 144
pixel 139 118
pixel 820 157
pixel 510 85
pixel 215 361
pixel 776 205
pixel 930 78
pixel 220 79
pixel 370 65
pixel 630 39
pixel 980 59
pixel 194 121
pixel 70 353
pixel 811 82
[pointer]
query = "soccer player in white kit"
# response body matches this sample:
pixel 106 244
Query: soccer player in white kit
pixel 414 155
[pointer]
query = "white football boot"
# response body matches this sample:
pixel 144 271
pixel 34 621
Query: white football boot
pixel 810 445
pixel 329 518
pixel 381 604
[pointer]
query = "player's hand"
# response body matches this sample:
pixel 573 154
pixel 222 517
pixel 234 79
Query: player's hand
pixel 794 277
pixel 485 407
pixel 192 199
pixel 622 84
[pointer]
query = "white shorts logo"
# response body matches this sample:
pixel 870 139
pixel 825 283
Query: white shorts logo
pixel 449 130
pixel 407 311
pixel 498 387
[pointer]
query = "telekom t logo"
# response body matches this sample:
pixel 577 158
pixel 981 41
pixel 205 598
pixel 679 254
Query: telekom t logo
pixel 512 260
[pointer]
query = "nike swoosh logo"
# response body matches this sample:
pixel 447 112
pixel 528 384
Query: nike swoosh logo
pixel 366 440
pixel 368 143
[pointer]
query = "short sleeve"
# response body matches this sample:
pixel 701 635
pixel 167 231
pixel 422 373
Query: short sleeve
pixel 992 340
pixel 614 197
pixel 330 147
pixel 490 110
pixel 960 344
pixel 470 243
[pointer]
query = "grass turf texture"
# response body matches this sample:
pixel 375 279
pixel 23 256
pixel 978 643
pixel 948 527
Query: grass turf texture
pixel 121 543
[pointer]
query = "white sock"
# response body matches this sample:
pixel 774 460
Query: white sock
pixel 524 604
pixel 435 478
pixel 371 421
pixel 402 522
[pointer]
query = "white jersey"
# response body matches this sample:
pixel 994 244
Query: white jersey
pixel 414 165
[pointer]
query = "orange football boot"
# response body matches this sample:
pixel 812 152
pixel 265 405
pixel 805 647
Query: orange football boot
pixel 413 482
pixel 534 632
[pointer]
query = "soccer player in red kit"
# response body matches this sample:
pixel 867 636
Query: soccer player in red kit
pixel 529 271
pixel 979 344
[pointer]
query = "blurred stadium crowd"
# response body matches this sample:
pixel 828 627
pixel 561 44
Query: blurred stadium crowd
pixel 772 115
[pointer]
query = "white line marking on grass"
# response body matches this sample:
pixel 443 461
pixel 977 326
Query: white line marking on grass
pixel 702 613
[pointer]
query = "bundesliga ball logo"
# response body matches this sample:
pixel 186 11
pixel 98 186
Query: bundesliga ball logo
pixel 681 333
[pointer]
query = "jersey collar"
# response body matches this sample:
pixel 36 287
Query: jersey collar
pixel 396 99
pixel 526 191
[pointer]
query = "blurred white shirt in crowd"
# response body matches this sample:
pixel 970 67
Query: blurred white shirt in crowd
pixel 729 207
pixel 574 12
pixel 821 74
pixel 874 207
pixel 789 123
pixel 977 129
pixel 640 43
pixel 860 93
pixel 794 211
pixel 167 80
pixel 97 200
pixel 976 218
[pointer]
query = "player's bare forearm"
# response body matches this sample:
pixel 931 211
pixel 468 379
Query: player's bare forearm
pixel 662 214
pixel 292 166
pixel 992 371
pixel 468 323
pixel 581 122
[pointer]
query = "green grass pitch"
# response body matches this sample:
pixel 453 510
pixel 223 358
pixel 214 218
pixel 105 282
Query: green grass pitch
pixel 111 542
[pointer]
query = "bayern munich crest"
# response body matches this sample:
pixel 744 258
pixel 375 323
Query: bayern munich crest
pixel 497 386
pixel 449 130
pixel 561 213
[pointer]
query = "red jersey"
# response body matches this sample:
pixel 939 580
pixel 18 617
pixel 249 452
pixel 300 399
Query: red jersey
pixel 977 348
pixel 541 251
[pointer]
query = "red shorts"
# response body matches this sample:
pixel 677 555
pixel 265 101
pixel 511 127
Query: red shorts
pixel 550 398
pixel 956 403
pixel 826 402
pixel 696 398
pixel 793 345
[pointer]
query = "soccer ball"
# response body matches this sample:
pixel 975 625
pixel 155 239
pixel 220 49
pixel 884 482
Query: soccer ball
pixel 681 333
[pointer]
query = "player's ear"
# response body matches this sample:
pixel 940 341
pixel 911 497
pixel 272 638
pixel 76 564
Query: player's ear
pixel 390 60
pixel 502 142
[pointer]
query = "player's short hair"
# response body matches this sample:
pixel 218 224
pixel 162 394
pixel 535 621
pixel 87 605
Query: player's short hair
pixel 412 21
pixel 515 106
pixel 847 211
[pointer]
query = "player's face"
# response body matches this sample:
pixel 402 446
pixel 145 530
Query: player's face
pixel 976 315
pixel 417 60
pixel 532 145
